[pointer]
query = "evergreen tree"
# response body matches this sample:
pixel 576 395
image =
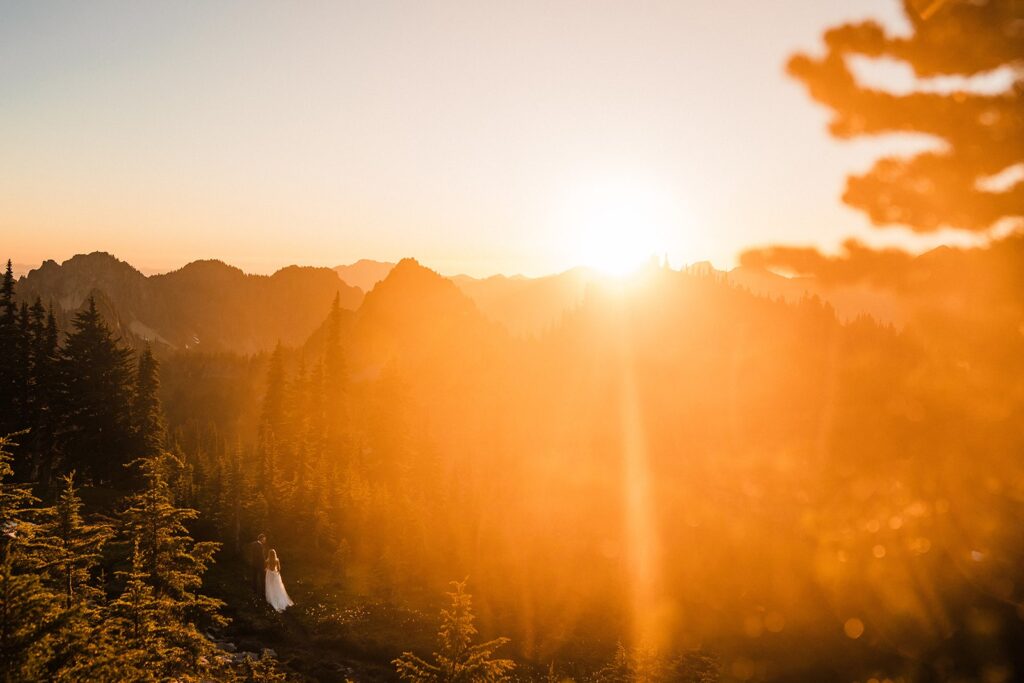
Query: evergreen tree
pixel 170 564
pixel 13 371
pixel 334 380
pixel 274 492
pixel 980 132
pixel 238 507
pixel 8 308
pixel 95 402
pixel 73 547
pixel 70 549
pixel 272 415
pixel 457 659
pixel 36 454
pixel 37 329
pixel 147 627
pixel 31 613
pixel 635 666
pixel 309 474
pixel 315 404
pixel 172 560
pixel 23 355
pixel 42 360
pixel 147 414
pixel 262 670
pixel 695 666
pixel 280 454
pixel 297 396
pixel 619 670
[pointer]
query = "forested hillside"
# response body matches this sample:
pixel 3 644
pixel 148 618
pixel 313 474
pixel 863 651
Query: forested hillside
pixel 744 473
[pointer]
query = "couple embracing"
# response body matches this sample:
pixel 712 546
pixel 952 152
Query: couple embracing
pixel 265 574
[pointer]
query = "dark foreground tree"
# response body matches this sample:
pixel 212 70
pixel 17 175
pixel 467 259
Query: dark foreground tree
pixel 36 452
pixel 457 659
pixel 147 414
pixel 31 612
pixel 979 133
pixel 13 365
pixel 96 396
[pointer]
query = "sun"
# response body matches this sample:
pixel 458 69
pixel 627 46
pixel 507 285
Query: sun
pixel 618 226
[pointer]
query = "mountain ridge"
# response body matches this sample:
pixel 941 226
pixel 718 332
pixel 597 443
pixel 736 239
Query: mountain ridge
pixel 216 306
pixel 206 302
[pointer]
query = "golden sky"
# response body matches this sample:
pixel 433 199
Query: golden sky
pixel 479 137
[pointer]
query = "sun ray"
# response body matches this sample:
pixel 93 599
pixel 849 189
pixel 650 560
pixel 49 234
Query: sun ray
pixel 618 225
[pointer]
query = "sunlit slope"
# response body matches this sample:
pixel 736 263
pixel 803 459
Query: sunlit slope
pixel 800 471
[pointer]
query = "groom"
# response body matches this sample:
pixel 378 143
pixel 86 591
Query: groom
pixel 257 566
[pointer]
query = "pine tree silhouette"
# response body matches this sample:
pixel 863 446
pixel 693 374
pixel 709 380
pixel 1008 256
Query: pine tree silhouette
pixel 95 403
pixel 147 414
pixel 457 660
pixel 31 612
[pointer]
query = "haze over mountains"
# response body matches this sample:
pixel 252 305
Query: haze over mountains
pixel 530 305
pixel 212 306
pixel 752 411
pixel 432 441
pixel 364 273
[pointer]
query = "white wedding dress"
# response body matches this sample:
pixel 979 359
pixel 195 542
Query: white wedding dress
pixel 277 596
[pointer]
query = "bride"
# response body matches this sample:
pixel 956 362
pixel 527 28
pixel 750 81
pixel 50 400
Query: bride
pixel 277 596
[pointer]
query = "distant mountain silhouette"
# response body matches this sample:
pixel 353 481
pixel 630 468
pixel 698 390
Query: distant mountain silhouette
pixel 364 273
pixel 527 306
pixel 217 307
pixel 205 305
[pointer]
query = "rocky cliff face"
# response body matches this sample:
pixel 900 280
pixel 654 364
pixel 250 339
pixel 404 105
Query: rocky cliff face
pixel 206 305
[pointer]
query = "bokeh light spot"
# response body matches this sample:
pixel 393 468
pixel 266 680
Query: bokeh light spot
pixel 853 628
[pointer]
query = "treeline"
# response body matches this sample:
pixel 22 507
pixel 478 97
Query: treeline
pixel 113 595
pixel 85 403
pixel 109 598
pixel 332 472
pixel 803 473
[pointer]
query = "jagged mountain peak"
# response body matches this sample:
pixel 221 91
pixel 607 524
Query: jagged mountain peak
pixel 409 267
pixel 413 299
pixel 97 259
pixel 412 281
pixel 95 266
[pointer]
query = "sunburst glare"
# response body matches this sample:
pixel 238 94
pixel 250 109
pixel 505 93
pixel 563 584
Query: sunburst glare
pixel 615 225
